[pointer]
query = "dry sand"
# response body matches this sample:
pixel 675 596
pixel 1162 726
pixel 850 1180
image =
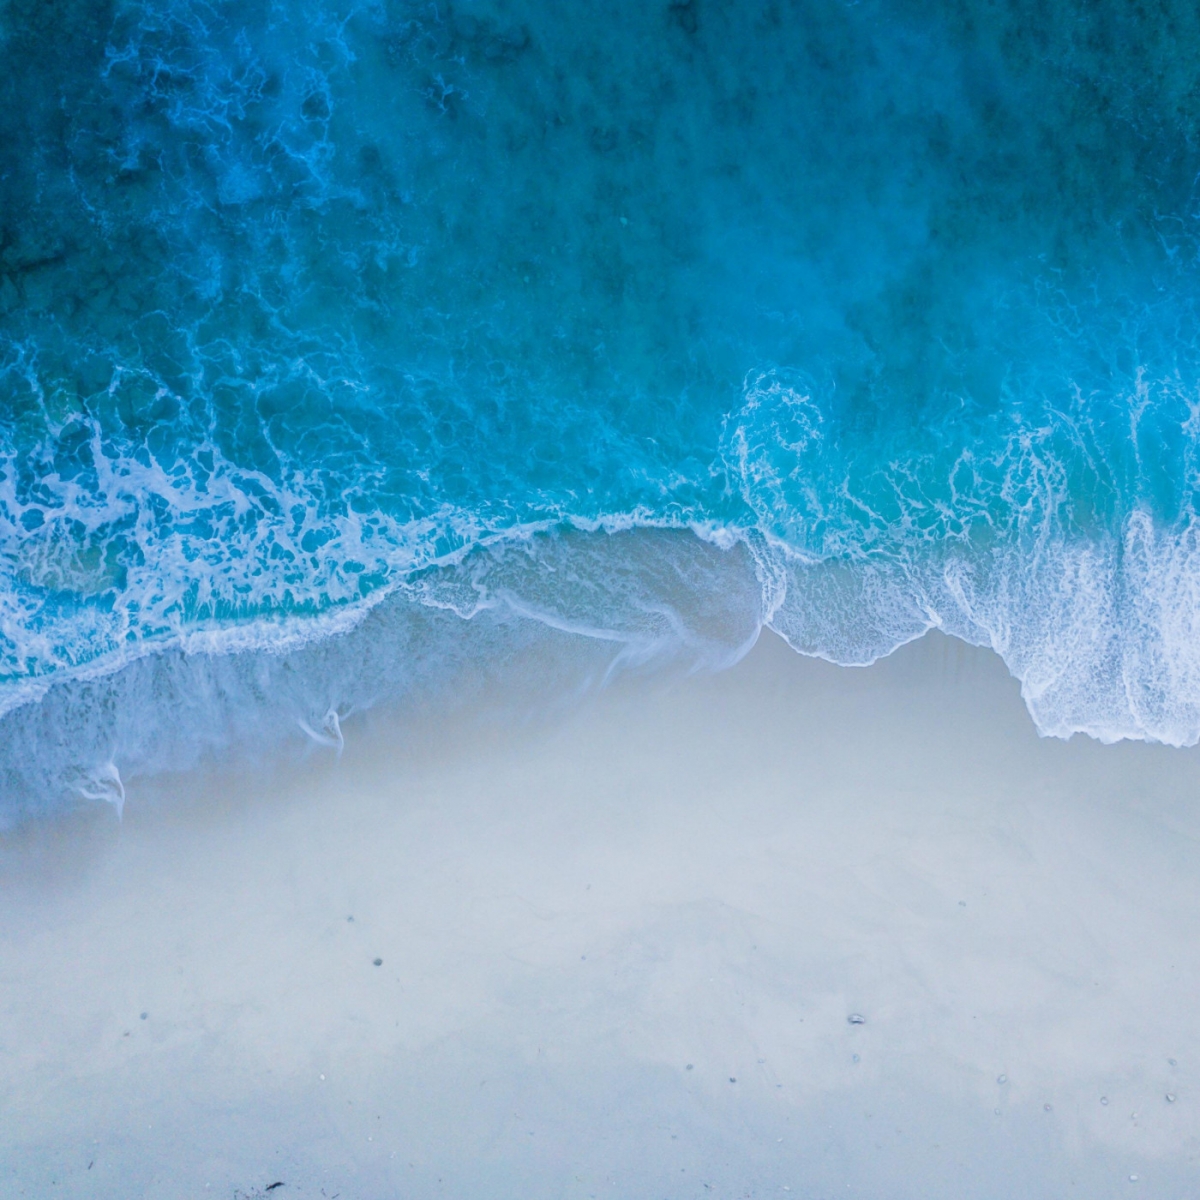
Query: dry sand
pixel 620 950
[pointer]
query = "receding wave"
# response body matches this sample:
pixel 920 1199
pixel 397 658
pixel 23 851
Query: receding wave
pixel 343 343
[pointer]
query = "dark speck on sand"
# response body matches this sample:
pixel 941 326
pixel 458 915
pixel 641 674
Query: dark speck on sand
pixel 379 962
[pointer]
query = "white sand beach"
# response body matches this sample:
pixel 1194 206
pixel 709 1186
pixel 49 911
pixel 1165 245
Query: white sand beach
pixel 787 929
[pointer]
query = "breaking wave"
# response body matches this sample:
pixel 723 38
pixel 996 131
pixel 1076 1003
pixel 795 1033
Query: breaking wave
pixel 343 342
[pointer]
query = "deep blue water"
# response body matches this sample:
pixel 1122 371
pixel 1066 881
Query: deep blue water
pixel 315 308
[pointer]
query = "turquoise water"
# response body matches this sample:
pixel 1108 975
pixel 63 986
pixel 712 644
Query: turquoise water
pixel 310 307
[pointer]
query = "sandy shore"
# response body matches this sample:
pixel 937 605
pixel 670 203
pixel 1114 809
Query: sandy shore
pixel 619 951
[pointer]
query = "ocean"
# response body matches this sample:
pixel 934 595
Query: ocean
pixel 343 342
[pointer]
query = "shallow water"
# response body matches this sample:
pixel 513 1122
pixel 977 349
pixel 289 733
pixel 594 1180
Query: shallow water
pixel 310 306
pixel 589 926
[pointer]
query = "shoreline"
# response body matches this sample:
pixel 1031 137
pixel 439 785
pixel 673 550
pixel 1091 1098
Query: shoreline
pixel 570 908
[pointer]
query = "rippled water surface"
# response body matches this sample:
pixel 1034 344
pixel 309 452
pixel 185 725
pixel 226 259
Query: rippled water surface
pixel 308 305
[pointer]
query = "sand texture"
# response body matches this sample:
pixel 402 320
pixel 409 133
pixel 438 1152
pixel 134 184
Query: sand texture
pixel 620 950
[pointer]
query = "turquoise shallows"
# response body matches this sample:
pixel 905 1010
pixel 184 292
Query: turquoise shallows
pixel 303 299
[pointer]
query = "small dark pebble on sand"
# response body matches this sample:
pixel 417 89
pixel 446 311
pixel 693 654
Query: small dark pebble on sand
pixel 733 1079
pixel 379 962
pixel 856 1019
pixel 144 1016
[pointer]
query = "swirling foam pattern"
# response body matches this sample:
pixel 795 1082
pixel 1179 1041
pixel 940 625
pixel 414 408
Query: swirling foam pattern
pixel 304 300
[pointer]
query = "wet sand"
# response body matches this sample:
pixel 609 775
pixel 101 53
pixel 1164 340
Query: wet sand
pixel 619 951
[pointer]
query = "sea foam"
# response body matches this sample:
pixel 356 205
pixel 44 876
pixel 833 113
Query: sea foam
pixel 650 329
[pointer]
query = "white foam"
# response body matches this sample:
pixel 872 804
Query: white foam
pixel 102 782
